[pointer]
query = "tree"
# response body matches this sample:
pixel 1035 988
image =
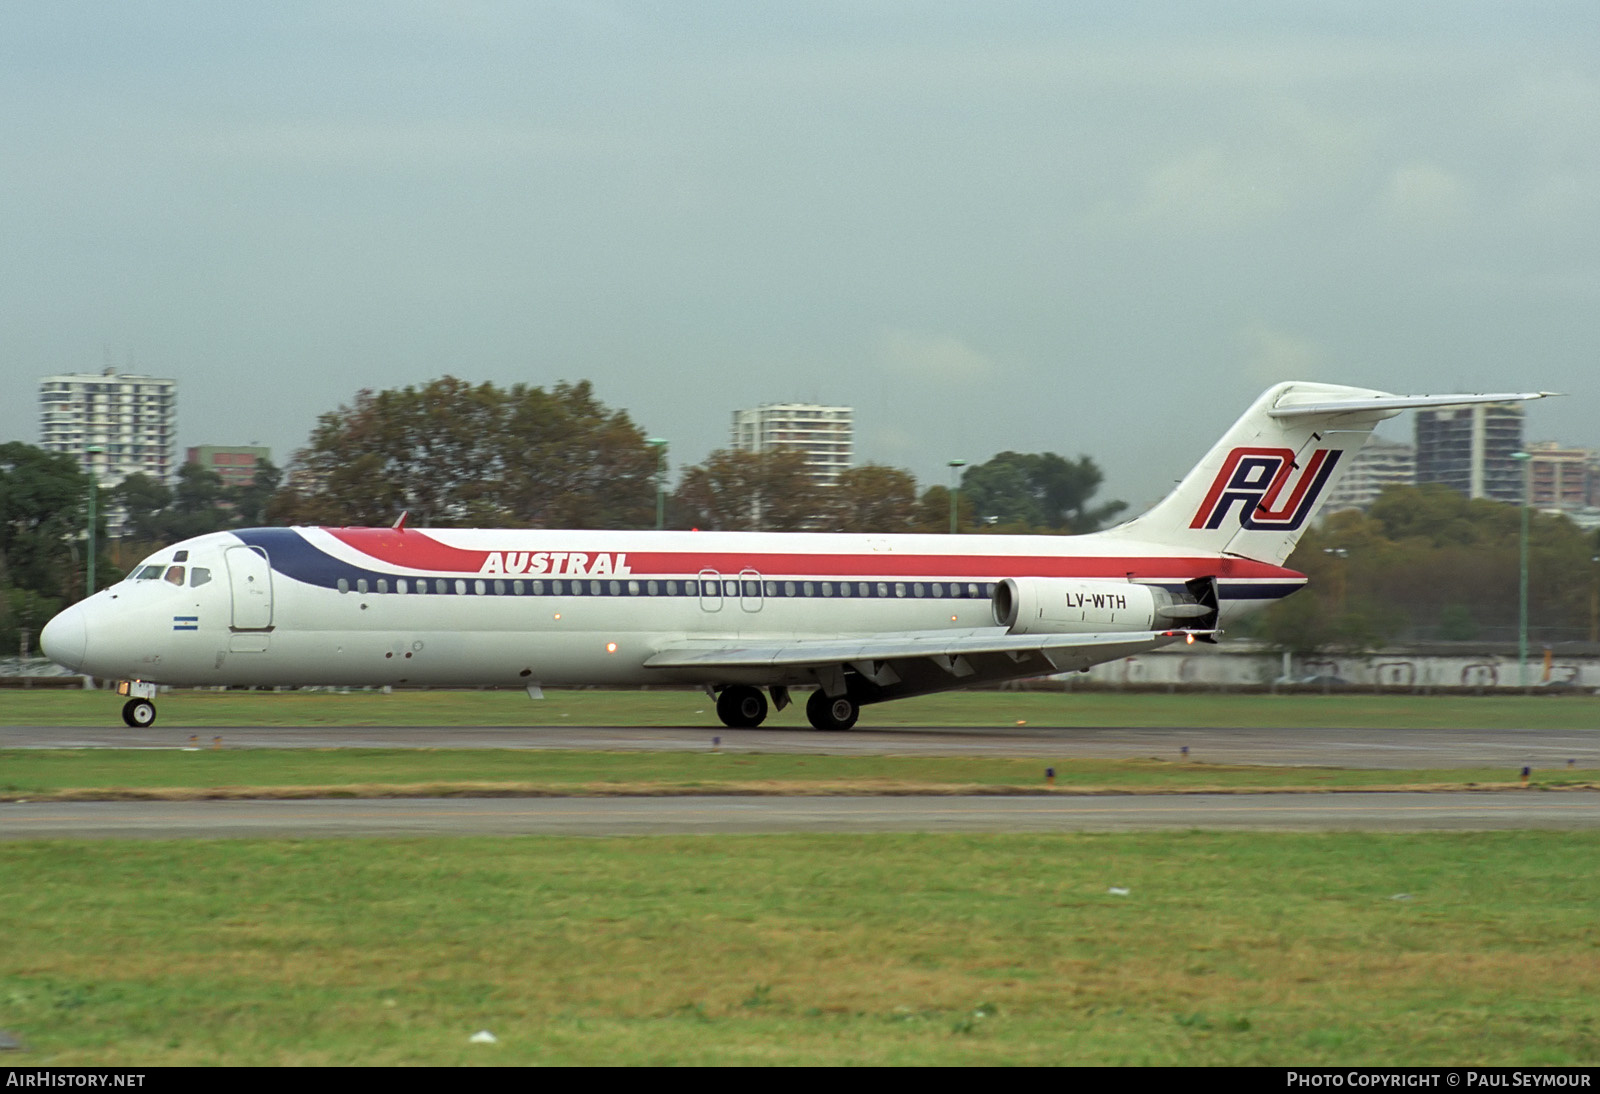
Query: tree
pixel 44 500
pixel 1428 562
pixel 250 501
pixel 458 455
pixel 933 511
pixel 873 498
pixel 1038 492
pixel 750 492
pixel 143 500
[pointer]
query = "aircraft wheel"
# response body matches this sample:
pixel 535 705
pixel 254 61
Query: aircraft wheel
pixel 139 713
pixel 825 713
pixel 741 707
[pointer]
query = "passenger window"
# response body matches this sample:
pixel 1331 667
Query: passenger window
pixel 199 576
pixel 175 575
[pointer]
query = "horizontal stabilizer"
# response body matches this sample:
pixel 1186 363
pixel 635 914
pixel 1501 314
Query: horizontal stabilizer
pixel 1389 405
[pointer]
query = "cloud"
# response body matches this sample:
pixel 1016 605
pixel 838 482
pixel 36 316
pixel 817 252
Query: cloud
pixel 1424 195
pixel 941 358
pixel 1273 355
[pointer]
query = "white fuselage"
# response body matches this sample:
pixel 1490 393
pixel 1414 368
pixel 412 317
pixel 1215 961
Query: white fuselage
pixel 313 606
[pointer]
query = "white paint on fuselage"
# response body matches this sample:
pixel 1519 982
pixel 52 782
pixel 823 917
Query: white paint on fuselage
pixel 322 636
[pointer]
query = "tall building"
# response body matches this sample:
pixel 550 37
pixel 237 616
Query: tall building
pixel 1561 478
pixel 1469 449
pixel 114 425
pixel 823 433
pixel 236 465
pixel 1381 463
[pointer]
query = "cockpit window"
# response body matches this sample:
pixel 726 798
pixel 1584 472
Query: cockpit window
pixel 198 576
pixel 175 575
pixel 181 556
pixel 148 573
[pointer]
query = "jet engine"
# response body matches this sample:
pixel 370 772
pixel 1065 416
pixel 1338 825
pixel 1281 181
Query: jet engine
pixel 1056 605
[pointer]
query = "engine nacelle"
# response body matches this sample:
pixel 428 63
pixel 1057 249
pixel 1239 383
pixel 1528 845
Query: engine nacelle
pixel 1059 605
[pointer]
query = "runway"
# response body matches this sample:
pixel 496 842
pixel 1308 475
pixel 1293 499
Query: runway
pixel 727 815
pixel 1357 748
pixel 1507 749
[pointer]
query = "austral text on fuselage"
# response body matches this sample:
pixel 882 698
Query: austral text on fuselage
pixel 570 563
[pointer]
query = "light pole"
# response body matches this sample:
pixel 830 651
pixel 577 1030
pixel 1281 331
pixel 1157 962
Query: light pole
pixel 660 445
pixel 955 492
pixel 94 491
pixel 1522 576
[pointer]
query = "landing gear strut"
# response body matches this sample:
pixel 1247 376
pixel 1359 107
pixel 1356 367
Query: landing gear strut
pixel 139 713
pixel 741 707
pixel 836 713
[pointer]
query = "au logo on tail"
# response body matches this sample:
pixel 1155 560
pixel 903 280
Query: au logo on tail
pixel 1256 479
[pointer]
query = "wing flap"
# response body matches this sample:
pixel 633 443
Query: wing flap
pixel 734 653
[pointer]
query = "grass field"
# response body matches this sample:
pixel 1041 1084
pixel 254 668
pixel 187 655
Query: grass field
pixel 81 774
pixel 210 709
pixel 1227 949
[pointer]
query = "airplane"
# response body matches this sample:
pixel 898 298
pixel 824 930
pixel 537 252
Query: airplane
pixel 748 616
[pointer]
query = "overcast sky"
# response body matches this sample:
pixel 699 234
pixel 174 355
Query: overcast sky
pixel 1082 228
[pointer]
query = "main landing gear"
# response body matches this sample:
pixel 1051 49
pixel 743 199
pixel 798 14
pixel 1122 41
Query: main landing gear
pixel 743 707
pixel 139 713
pixel 837 713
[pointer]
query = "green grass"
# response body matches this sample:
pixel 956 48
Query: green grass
pixel 211 709
pixel 164 773
pixel 1233 949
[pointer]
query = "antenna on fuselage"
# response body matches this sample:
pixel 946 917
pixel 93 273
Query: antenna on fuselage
pixel 400 525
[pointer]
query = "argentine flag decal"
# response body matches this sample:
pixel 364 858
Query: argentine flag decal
pixel 186 622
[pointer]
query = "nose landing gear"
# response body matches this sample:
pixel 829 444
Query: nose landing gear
pixel 138 711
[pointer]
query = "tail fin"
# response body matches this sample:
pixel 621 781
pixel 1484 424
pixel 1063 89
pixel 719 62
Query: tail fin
pixel 1259 486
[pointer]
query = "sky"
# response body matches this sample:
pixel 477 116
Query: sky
pixel 1093 229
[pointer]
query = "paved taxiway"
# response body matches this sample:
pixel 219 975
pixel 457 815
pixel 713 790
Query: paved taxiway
pixel 1367 748
pixel 1508 749
pixel 722 815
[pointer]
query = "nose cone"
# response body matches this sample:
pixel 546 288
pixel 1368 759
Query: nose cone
pixel 65 639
